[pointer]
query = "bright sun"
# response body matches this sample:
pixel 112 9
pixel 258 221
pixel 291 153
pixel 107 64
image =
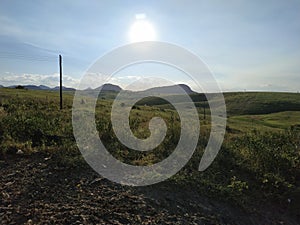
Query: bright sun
pixel 142 30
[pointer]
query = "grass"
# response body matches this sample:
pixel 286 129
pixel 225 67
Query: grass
pixel 265 122
pixel 253 103
pixel 242 103
pixel 259 160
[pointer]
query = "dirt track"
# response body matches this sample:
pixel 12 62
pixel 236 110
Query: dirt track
pixel 35 190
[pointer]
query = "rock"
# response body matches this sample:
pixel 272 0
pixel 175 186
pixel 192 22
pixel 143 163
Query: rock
pixel 20 152
pixel 5 195
pixel 9 183
pixel 96 180
pixel 29 222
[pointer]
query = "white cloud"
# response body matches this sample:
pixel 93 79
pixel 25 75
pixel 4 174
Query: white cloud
pixel 124 81
pixel 50 80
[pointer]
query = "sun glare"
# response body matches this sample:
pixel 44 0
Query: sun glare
pixel 142 30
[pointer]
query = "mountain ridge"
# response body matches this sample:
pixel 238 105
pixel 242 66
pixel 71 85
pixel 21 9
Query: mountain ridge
pixel 171 89
pixel 39 87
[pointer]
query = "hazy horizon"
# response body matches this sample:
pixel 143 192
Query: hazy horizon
pixel 146 88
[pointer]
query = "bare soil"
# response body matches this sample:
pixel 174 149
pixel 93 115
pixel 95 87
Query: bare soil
pixel 35 189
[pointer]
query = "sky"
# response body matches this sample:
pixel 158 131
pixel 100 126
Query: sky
pixel 247 45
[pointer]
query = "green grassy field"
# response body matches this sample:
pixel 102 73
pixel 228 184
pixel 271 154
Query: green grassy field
pixel 259 160
pixel 266 122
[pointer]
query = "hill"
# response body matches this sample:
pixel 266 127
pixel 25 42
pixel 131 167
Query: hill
pixel 64 88
pixel 41 87
pixel 238 103
pixel 173 89
pixel 109 87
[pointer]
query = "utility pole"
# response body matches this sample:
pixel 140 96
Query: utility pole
pixel 60 81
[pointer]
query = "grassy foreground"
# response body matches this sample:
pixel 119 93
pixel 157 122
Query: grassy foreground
pixel 257 169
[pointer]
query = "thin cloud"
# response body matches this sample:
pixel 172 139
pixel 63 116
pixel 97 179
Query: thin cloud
pixel 50 80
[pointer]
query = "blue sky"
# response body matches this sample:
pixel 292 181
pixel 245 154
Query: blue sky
pixel 252 45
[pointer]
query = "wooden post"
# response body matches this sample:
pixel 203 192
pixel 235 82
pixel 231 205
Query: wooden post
pixel 60 81
pixel 204 113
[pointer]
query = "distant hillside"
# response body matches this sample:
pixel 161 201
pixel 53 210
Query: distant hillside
pixel 35 87
pixel 107 91
pixel 152 100
pixel 238 103
pixel 109 87
pixel 42 87
pixel 173 89
pixel 105 87
pixel 64 89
